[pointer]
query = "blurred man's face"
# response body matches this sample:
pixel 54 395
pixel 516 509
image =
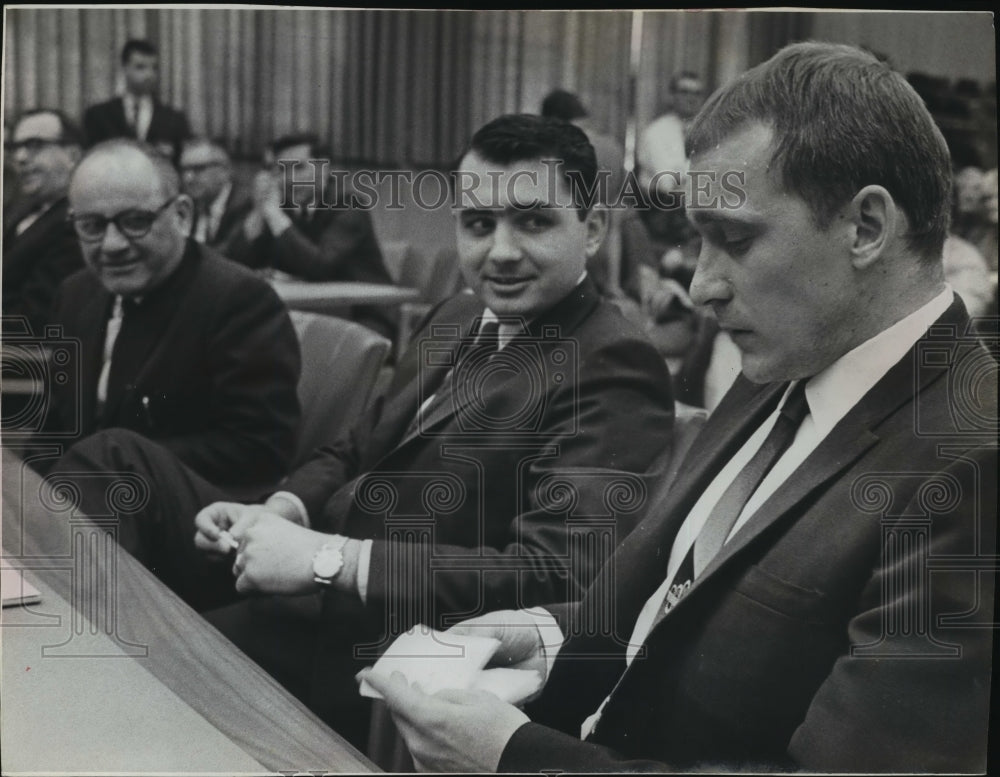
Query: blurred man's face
pixel 141 73
pixel 688 93
pixel 779 285
pixel 125 186
pixel 205 171
pixel 43 162
pixel 521 245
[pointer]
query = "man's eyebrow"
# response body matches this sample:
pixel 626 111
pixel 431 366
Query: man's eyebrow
pixel 508 209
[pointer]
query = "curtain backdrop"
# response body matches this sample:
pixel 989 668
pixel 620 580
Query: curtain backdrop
pixel 408 87
pixel 384 87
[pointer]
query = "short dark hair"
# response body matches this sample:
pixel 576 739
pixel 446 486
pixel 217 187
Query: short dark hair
pixel 138 46
pixel 310 139
pixel 560 104
pixel 842 120
pixel 70 133
pixel 525 136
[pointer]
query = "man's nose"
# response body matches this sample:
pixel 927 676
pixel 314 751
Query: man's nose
pixel 709 283
pixel 505 247
pixel 114 240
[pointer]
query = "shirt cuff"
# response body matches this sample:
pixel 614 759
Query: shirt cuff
pixel 552 636
pixel 296 503
pixel 364 565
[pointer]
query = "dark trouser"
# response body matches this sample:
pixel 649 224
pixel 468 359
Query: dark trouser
pixel 157 525
pixel 282 634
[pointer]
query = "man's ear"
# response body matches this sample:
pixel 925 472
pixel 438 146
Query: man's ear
pixel 184 208
pixel 876 218
pixel 597 228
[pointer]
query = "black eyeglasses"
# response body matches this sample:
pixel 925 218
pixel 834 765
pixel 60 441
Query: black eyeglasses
pixel 90 227
pixel 31 145
pixel 200 168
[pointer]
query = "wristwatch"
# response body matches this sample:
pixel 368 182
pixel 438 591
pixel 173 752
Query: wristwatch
pixel 329 560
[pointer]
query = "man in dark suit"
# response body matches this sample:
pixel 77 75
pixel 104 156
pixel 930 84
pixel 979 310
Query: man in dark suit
pixel 815 589
pixel 220 208
pixel 312 231
pixel 39 247
pixel 477 481
pixel 138 113
pixel 177 344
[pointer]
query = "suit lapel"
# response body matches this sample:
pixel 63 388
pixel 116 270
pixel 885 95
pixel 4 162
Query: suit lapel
pixel 93 317
pixel 19 253
pixel 121 119
pixel 848 441
pixel 143 331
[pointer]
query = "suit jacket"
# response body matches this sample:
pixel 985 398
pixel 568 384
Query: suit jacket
pixel 490 494
pixel 238 206
pixel 207 365
pixel 36 262
pixel 334 244
pixel 107 120
pixel 844 628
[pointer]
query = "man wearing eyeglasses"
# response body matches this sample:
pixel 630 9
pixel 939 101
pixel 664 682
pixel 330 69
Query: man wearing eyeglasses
pixel 220 207
pixel 39 247
pixel 178 344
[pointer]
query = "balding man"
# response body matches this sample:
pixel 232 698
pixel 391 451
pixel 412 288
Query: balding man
pixel 179 345
pixel 39 247
pixel 220 207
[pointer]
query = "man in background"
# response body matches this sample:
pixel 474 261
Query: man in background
pixel 39 246
pixel 220 208
pixel 310 231
pixel 138 113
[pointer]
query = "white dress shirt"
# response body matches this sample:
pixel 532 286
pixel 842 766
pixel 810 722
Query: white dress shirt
pixel 830 394
pixel 208 221
pixel 140 111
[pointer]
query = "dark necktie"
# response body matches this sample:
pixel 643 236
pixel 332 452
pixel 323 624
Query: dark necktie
pixel 727 510
pixel 487 344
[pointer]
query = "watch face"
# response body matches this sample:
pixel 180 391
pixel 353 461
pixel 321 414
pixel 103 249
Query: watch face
pixel 327 563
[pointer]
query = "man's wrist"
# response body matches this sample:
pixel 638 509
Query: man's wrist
pixel 346 577
pixel 289 507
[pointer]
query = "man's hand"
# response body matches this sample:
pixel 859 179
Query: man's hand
pixel 275 555
pixel 521 645
pixel 215 519
pixel 451 731
pixel 266 191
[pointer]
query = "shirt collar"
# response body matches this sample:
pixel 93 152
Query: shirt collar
pixel 507 331
pixel 832 392
pixel 218 206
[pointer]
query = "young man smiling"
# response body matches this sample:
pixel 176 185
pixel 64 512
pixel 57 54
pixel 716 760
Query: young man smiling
pixel 517 415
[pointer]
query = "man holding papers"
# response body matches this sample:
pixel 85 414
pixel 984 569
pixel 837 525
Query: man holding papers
pixel 815 590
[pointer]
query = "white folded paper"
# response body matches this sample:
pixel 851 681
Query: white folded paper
pixel 441 660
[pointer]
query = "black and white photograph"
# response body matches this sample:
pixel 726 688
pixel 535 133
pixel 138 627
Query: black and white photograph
pixel 471 391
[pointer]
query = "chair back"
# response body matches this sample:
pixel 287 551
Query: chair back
pixel 341 361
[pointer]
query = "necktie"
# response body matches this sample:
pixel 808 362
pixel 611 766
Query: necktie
pixel 110 336
pixel 132 105
pixel 487 344
pixel 202 225
pixel 727 510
